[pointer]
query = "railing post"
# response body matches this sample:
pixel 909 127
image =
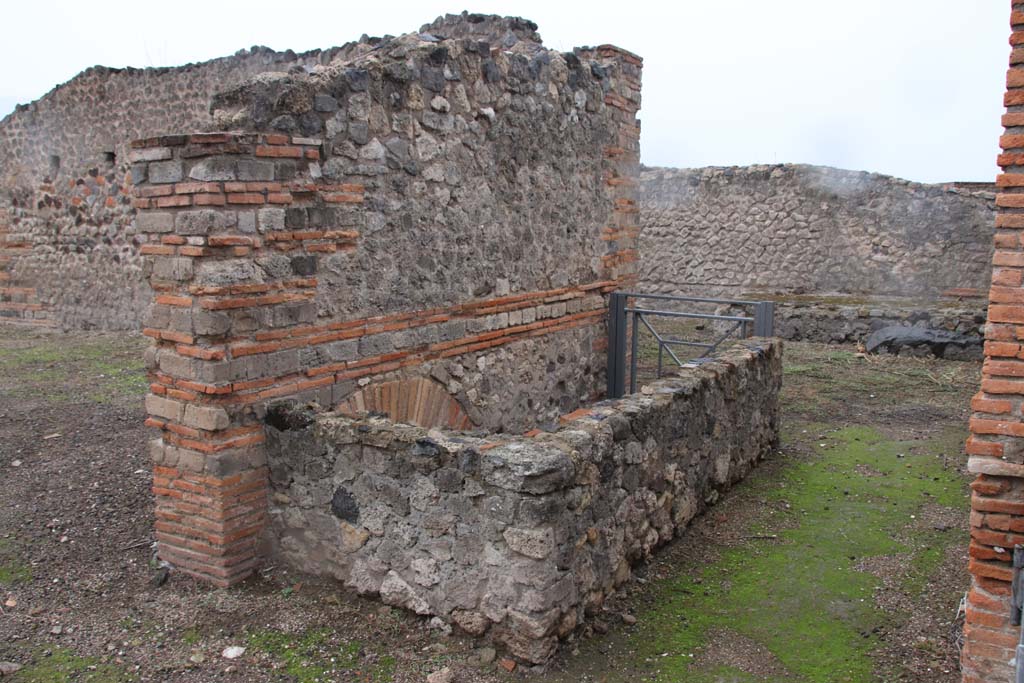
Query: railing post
pixel 634 349
pixel 764 319
pixel 616 345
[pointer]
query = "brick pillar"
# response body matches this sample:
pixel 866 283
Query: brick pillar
pixel 996 446
pixel 231 279
pixel 19 297
pixel 623 166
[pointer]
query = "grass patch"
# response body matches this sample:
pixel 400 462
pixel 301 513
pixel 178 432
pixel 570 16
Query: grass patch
pixel 802 597
pixel 821 381
pixel 383 671
pixel 314 656
pixel 191 636
pixel 63 666
pixel 12 569
pixel 102 369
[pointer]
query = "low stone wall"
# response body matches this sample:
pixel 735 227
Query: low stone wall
pixel 518 538
pixel 840 321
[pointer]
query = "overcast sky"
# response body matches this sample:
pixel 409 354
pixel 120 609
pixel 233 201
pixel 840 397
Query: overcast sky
pixel 911 88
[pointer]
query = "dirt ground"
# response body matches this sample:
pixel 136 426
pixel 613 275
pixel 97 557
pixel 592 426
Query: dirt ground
pixel 856 527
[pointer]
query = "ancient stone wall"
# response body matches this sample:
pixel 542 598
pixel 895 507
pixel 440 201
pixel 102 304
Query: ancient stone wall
pixel 795 229
pixel 519 538
pixel 425 230
pixel 70 253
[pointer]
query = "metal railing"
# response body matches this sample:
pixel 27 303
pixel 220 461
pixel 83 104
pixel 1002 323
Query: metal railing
pixel 761 319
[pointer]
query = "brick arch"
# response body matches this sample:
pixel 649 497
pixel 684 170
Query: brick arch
pixel 419 401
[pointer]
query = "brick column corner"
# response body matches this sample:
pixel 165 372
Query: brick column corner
pixel 996 446
pixel 210 206
pixel 623 166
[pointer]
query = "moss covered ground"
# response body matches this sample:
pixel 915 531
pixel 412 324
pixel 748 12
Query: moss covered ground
pixel 870 457
pixel 802 596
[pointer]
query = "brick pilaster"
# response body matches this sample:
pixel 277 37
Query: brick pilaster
pixel 232 263
pixel 19 299
pixel 623 166
pixel 996 446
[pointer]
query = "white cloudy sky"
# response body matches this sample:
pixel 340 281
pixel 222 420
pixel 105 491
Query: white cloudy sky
pixel 907 87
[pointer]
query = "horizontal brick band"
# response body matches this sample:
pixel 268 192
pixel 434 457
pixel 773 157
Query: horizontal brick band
pixel 412 319
pixel 270 387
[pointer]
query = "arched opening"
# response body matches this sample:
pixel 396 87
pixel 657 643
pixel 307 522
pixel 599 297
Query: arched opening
pixel 419 401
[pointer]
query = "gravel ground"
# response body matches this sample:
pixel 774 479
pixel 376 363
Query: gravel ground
pixel 77 572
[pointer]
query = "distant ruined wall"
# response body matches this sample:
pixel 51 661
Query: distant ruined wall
pixel 796 229
pixel 68 249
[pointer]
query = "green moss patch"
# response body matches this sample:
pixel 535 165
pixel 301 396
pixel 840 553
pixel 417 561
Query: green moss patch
pixel 61 665
pixel 12 569
pixel 102 369
pixel 317 656
pixel 800 595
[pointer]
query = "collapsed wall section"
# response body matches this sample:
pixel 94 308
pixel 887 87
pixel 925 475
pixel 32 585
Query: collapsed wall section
pixel 851 320
pixel 432 243
pixel 519 538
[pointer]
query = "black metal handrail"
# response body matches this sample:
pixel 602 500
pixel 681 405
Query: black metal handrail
pixel 619 311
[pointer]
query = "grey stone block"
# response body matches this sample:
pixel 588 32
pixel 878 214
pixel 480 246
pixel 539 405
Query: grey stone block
pixel 254 170
pixel 210 323
pixel 166 172
pixel 213 169
pixel 375 345
pixel 154 221
pixel 149 154
pixel 204 221
pixel 172 268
